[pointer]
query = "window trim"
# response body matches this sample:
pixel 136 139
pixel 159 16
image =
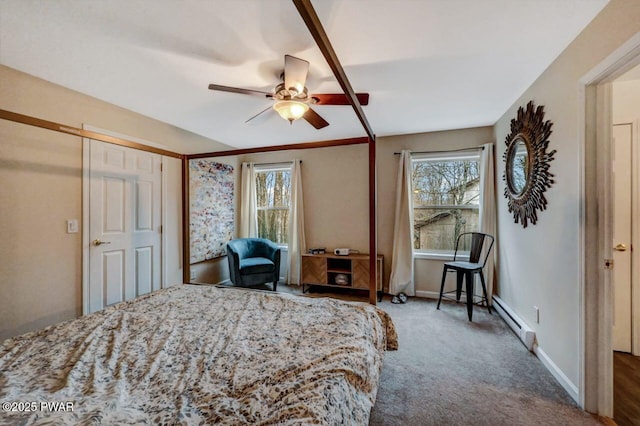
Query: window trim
pixel 433 255
pixel 272 167
pixel 445 156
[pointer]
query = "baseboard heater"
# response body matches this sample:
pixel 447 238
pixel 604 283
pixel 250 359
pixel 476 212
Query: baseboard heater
pixel 522 330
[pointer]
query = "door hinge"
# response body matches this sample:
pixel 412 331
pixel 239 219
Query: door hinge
pixel 161 229
pixel 608 264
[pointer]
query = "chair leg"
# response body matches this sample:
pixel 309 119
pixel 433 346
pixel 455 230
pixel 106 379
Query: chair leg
pixel 459 277
pixel 275 284
pixel 444 276
pixel 469 289
pixel 484 290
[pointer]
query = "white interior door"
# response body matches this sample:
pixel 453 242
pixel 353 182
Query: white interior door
pixel 622 197
pixel 124 224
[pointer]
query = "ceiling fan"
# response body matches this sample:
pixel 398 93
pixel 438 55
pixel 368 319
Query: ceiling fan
pixel 292 98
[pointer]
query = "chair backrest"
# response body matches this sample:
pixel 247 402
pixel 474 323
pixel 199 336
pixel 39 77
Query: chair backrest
pixel 477 242
pixel 253 247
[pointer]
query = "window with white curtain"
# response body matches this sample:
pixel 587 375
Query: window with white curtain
pixel 273 197
pixel 446 199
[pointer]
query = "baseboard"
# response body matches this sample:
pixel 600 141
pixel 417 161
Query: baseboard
pixel 228 282
pixel 567 384
pixel 522 330
pixel 427 294
pixel 528 337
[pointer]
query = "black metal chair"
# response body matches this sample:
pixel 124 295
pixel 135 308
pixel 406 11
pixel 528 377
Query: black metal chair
pixel 467 270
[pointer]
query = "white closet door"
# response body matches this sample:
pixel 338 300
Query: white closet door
pixel 124 224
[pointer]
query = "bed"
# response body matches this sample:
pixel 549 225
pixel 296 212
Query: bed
pixel 194 354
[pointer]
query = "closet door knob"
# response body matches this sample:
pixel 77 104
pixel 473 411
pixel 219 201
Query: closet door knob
pixel 620 247
pixel 97 242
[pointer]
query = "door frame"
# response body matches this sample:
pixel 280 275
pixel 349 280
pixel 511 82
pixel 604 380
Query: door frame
pixel 86 190
pixel 596 304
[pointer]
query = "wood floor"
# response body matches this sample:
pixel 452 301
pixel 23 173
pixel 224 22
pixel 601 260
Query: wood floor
pixel 626 394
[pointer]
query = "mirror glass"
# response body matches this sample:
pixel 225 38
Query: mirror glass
pixel 519 166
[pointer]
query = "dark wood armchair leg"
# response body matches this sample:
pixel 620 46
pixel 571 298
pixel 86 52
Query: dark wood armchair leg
pixel 275 284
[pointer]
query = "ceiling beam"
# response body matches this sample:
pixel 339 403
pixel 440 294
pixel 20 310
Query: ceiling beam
pixel 306 10
pixel 70 130
pixel 303 145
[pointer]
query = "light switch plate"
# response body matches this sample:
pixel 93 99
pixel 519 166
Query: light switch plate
pixel 72 226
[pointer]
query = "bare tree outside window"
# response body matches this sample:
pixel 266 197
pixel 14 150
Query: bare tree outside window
pixel 273 193
pixel 519 178
pixel 446 201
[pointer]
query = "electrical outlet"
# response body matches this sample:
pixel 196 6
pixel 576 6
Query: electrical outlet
pixel 193 274
pixel 537 311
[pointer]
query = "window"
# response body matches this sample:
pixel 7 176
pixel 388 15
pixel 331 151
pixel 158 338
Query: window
pixel 273 195
pixel 446 200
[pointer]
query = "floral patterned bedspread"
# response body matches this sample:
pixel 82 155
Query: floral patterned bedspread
pixel 201 355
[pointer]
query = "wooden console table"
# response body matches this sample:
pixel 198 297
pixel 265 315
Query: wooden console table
pixel 351 271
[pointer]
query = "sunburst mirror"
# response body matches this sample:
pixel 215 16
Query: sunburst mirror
pixel 526 159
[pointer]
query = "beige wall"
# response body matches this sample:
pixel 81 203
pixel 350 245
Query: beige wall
pixel 428 273
pixel 336 185
pixel 540 265
pixel 336 209
pixel 40 278
pixel 41 187
pixel 172 213
pixel 626 101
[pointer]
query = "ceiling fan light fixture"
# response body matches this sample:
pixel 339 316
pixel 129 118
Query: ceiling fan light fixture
pixel 291 110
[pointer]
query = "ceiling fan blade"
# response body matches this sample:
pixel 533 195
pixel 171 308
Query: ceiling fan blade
pixel 295 73
pixel 261 112
pixel 339 98
pixel 314 119
pixel 239 90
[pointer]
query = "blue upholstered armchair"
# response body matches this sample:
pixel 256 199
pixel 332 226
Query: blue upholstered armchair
pixel 253 261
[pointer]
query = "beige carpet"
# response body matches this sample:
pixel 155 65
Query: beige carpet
pixel 449 371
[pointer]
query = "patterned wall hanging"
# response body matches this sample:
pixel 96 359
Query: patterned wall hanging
pixel 212 218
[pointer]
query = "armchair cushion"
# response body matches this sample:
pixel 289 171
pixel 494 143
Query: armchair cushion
pixel 256 265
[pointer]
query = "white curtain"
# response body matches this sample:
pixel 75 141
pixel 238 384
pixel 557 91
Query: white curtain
pixel 488 211
pixel 297 242
pixel 402 260
pixel 248 203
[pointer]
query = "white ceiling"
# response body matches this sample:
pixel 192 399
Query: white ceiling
pixel 428 65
